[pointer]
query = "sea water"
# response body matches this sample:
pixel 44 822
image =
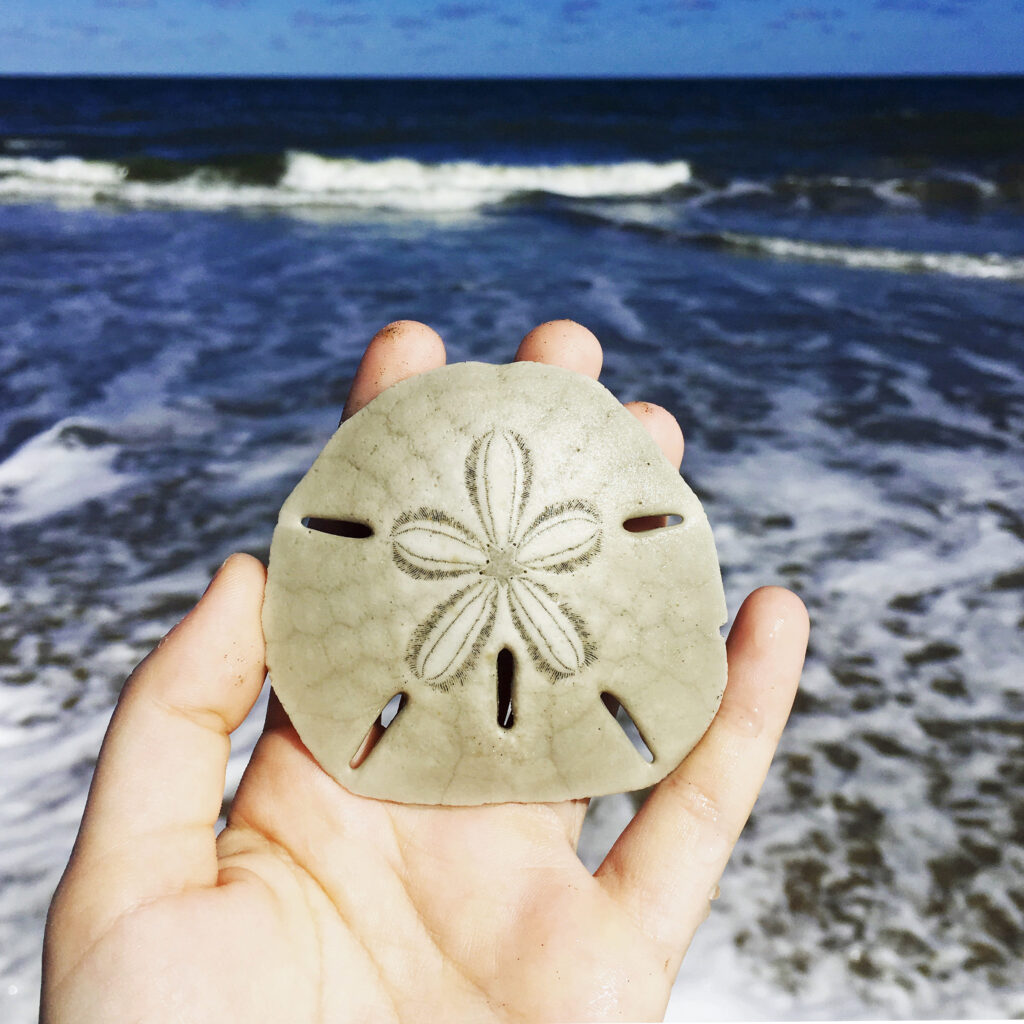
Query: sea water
pixel 823 280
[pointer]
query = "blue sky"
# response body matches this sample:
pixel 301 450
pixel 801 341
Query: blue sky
pixel 531 37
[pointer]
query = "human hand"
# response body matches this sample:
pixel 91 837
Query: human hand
pixel 315 904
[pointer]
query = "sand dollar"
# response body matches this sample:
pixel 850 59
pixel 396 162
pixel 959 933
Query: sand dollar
pixel 458 549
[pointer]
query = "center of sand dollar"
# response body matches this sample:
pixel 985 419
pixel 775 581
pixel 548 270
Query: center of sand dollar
pixel 501 563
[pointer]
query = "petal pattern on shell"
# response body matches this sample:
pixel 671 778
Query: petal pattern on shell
pixel 499 472
pixel 431 545
pixel 562 537
pixel 446 644
pixel 555 635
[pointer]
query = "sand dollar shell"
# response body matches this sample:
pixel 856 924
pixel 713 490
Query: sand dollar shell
pixel 459 545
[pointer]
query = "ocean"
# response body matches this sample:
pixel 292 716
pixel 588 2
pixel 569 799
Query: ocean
pixel 822 279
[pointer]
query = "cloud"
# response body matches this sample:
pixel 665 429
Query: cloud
pixel 943 9
pixel 90 31
pixel 818 14
pixel 215 40
pixel 411 24
pixel 459 12
pixel 66 32
pixel 824 17
pixel 86 31
pixel 316 21
pixel 577 11
pixel 22 34
pixel 674 9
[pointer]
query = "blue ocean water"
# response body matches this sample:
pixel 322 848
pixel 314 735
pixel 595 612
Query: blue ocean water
pixel 823 280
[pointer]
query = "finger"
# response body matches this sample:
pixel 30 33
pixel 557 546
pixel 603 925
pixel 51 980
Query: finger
pixel 157 791
pixel 562 343
pixel 396 352
pixel 666 863
pixel 400 350
pixel 662 426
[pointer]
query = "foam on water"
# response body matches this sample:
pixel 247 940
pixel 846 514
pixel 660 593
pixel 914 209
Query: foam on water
pixel 312 184
pixel 396 182
pixel 855 437
pixel 666 225
pixel 61 172
pixel 403 183
pixel 310 179
pixel 57 470
pixel 901 571
pixel 991 266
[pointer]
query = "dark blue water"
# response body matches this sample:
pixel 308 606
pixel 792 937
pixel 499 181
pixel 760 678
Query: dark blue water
pixel 928 167
pixel 824 280
pixel 726 127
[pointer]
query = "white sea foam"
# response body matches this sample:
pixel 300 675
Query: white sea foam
pixel 50 474
pixel 460 184
pixel 67 179
pixel 928 528
pixel 991 266
pixel 311 180
pixel 738 189
pixel 889 192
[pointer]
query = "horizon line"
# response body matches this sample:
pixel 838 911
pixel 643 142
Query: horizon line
pixel 715 76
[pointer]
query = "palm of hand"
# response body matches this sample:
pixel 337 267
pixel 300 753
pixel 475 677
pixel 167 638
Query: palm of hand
pixel 427 913
pixel 332 907
pixel 316 904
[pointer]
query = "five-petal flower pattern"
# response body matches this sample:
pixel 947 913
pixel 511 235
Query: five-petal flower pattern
pixel 506 561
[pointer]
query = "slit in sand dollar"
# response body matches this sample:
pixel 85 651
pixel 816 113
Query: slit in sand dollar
pixel 493 551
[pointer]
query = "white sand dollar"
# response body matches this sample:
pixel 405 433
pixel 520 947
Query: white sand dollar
pixel 460 542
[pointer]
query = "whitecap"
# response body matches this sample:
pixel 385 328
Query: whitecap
pixel 990 266
pixel 309 179
pixel 53 472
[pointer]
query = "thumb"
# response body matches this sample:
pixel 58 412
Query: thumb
pixel 148 828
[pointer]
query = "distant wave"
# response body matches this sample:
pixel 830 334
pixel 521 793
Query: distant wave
pixel 992 266
pixel 839 193
pixel 402 184
pixel 307 179
pixel 299 180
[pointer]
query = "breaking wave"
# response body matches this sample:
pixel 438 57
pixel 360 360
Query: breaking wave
pixel 311 180
pixel 295 179
pixel 992 266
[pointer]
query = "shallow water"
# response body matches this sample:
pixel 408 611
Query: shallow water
pixel 854 429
